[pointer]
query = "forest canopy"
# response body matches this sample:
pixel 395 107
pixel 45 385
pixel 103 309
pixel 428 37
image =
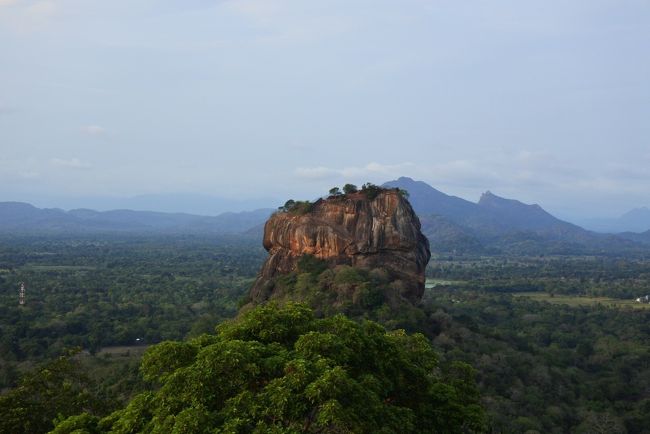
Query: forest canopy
pixel 280 369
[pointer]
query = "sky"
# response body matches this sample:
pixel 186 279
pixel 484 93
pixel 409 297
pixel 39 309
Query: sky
pixel 544 101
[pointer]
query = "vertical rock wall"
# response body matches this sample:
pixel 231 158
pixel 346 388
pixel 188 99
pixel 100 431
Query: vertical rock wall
pixel 382 232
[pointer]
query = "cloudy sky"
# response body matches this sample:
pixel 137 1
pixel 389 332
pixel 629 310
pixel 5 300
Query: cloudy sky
pixel 544 101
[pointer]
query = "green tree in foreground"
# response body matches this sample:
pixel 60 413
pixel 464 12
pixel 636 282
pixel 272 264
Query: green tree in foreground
pixel 281 370
pixel 58 389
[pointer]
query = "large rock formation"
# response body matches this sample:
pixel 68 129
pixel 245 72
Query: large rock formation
pixel 382 232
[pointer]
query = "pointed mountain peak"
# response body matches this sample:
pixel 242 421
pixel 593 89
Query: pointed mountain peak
pixel 492 200
pixel 428 200
pixel 488 198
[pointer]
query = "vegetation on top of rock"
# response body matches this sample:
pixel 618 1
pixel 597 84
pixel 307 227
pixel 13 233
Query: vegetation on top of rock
pixel 298 207
pixel 281 370
pixel 335 191
pixel 349 188
pixel 370 190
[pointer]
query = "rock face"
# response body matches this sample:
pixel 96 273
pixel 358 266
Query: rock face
pixel 382 232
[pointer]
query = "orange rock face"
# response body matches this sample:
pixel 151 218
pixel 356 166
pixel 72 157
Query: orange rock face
pixel 383 232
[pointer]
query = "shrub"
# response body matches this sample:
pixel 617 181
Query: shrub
pixel 335 191
pixel 301 207
pixel 311 264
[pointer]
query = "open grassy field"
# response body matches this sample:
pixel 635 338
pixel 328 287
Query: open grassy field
pixel 573 300
pixel 432 283
pixel 39 268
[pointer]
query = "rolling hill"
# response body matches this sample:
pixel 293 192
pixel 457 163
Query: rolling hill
pixel 636 220
pixel 18 217
pixel 493 225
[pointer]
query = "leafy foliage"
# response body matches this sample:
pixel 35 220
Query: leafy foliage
pixel 282 370
pixel 355 292
pixel 546 367
pixel 60 388
pixel 371 190
pixel 287 205
pixel 111 291
pixel 404 193
pixel 311 264
pixel 298 207
pixel 622 278
pixel 335 191
pixel 540 367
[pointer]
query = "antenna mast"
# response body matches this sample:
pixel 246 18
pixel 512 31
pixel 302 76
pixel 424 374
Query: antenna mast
pixel 21 294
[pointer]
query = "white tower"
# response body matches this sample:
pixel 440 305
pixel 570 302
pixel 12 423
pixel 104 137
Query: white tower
pixel 21 294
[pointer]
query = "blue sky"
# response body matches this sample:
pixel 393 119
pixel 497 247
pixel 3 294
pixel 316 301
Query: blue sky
pixel 543 101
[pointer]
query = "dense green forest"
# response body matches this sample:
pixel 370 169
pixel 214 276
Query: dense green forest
pixel 622 278
pixel 93 293
pixel 538 366
pixel 549 367
pixel 278 369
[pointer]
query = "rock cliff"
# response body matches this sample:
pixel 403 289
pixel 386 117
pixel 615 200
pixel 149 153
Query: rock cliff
pixel 382 232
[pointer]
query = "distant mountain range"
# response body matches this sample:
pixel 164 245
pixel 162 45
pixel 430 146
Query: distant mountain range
pixel 495 224
pixel 187 203
pixel 453 225
pixel 18 217
pixel 636 220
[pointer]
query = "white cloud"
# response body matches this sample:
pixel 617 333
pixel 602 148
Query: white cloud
pixel 42 9
pixel 525 175
pixel 72 163
pixel 534 157
pixel 93 130
pixel 370 169
pixel 29 175
pixel 23 170
pixel 314 173
pixel 282 23
pixel 258 10
pixel 26 17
